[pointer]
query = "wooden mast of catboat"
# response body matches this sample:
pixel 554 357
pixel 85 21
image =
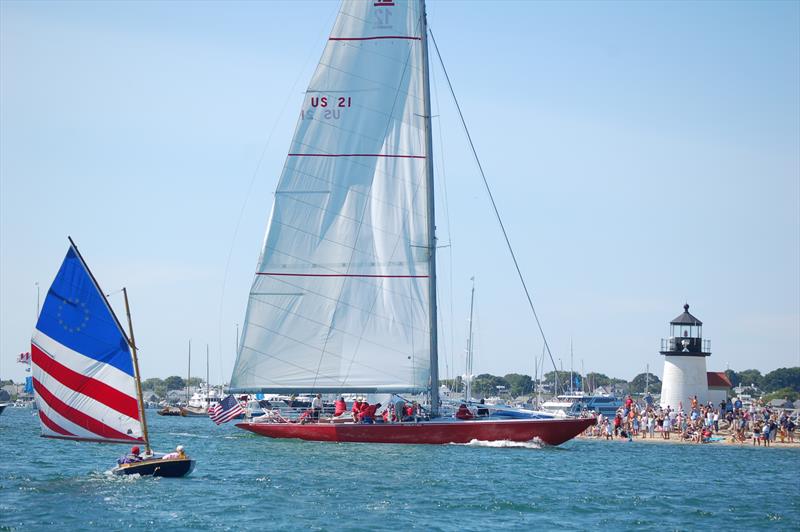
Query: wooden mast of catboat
pixel 132 342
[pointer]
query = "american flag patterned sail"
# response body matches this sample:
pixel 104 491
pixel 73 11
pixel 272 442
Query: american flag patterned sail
pixel 83 373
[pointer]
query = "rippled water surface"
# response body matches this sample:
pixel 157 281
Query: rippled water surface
pixel 243 481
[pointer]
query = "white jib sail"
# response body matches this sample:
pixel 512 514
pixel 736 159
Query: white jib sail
pixel 340 298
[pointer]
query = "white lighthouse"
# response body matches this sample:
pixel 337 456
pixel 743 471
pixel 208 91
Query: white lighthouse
pixel 685 354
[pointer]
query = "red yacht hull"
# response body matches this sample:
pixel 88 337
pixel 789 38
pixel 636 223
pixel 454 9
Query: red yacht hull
pixel 549 431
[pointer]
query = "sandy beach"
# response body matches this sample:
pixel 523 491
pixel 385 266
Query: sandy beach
pixel 675 439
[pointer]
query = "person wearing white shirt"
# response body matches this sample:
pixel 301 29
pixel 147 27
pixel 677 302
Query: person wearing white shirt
pixel 316 407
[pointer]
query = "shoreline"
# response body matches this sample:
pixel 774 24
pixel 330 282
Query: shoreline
pixel 676 440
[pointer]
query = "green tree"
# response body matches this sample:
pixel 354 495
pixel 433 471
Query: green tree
pixel 152 383
pixel 733 377
pixel 519 384
pixel 455 385
pixel 595 380
pixel 174 383
pixel 751 377
pixel 783 393
pixel 639 382
pixel 486 384
pixel 782 378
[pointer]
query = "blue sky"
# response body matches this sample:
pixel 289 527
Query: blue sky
pixel 642 155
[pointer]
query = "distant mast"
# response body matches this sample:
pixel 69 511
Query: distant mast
pixel 189 373
pixel 468 390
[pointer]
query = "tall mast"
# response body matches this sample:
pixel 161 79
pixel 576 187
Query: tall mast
pixel 468 392
pixel 433 324
pixel 208 381
pixel 136 371
pixel 189 372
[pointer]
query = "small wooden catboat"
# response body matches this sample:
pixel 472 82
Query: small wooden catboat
pixel 85 371
pixel 157 467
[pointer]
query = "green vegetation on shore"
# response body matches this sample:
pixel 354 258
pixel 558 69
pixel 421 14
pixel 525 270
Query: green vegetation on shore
pixel 782 383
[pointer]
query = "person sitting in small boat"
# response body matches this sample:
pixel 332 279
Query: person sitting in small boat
pixel 131 458
pixel 179 453
pixel 464 412
pixel 340 407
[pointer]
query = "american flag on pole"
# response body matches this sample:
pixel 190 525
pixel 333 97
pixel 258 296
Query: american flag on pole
pixel 225 410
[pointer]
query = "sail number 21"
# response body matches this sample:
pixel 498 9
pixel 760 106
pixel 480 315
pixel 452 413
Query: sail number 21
pixel 329 107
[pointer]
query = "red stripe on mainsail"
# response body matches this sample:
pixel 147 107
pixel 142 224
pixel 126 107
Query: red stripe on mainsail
pixel 342 275
pixel 356 155
pixel 97 390
pixel 404 37
pixel 52 425
pixel 76 416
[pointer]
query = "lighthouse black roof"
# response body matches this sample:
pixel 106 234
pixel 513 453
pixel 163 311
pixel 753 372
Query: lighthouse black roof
pixel 686 318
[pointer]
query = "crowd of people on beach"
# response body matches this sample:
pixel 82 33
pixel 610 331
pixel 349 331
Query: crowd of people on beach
pixel 699 423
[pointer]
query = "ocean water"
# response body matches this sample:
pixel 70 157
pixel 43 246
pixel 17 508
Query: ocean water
pixel 246 482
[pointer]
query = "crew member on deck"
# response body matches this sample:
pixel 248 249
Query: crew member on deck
pixel 316 407
pixel 356 408
pixel 367 415
pixel 340 407
pixel 464 412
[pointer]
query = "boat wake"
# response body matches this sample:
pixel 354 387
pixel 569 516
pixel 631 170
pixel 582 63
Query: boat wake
pixel 505 444
pixel 188 435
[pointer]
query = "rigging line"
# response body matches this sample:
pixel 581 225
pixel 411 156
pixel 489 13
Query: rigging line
pixel 443 180
pixel 249 191
pixel 494 207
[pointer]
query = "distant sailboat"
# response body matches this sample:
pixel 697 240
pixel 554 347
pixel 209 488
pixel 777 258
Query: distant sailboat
pixel 85 371
pixel 344 297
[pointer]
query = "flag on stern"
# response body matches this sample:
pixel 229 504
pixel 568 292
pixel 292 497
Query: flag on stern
pixel 82 367
pixel 225 410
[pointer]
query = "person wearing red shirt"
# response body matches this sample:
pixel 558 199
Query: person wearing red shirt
pixel 367 414
pixel 356 409
pixel 464 412
pixel 340 407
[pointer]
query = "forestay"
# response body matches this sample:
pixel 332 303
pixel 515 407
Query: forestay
pixel 83 373
pixel 340 297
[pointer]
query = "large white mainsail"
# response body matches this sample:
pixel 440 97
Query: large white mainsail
pixel 340 299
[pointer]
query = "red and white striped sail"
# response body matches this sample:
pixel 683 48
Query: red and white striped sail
pixel 340 297
pixel 83 373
